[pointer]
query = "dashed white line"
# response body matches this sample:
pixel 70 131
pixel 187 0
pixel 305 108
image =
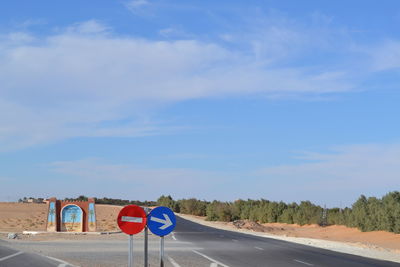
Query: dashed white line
pixel 213 264
pixel 303 262
pixel 258 248
pixel 173 262
pixel 10 256
pixel 210 259
pixel 235 240
pixel 173 237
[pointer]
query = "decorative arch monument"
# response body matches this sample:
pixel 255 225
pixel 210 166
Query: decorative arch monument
pixel 71 216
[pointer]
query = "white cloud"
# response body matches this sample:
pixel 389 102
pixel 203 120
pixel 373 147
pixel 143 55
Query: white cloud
pixel 386 56
pixel 137 6
pixel 340 176
pixel 335 179
pixel 174 32
pixel 90 26
pixel 73 83
pixel 141 182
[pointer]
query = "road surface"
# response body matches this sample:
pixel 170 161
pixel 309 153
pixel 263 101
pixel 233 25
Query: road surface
pixel 190 245
pixel 233 249
pixel 14 258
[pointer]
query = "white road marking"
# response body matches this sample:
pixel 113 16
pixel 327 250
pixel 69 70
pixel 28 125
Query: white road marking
pixel 213 264
pixel 258 248
pixel 235 240
pixel 303 262
pixel 62 263
pixel 10 256
pixel 173 262
pixel 173 237
pixel 210 259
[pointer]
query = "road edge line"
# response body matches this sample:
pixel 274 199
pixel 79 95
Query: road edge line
pixel 210 259
pixel 173 262
pixel 303 262
pixel 62 263
pixel 11 256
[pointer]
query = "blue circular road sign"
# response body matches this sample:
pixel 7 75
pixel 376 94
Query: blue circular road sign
pixel 161 221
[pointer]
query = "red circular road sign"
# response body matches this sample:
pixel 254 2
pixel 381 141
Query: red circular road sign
pixel 132 219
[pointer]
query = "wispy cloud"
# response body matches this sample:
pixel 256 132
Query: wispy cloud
pixel 175 32
pixel 72 83
pixel 143 182
pixel 385 56
pixel 338 177
pixel 138 7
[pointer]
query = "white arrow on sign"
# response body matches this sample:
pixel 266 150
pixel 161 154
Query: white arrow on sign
pixel 166 223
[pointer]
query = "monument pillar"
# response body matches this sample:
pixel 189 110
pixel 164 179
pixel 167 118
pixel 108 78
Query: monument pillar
pixel 52 215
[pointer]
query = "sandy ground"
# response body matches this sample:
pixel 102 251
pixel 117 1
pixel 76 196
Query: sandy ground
pixel 338 233
pixel 107 217
pixel 19 217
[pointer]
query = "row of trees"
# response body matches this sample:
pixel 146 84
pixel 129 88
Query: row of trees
pixel 123 202
pixel 367 214
pixel 114 201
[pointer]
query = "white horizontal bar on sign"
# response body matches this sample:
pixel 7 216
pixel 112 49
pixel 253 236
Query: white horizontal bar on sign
pixel 132 219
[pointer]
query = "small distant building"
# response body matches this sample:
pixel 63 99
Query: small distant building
pixel 71 216
pixel 32 200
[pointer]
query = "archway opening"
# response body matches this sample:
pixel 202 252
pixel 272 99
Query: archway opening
pixel 71 219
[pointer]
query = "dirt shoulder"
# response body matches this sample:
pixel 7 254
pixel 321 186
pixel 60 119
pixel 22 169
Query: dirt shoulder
pixel 379 244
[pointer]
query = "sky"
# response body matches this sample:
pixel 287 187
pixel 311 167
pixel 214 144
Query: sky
pixel 133 99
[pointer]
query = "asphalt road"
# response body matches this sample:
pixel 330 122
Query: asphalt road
pixel 190 245
pixel 233 249
pixel 12 258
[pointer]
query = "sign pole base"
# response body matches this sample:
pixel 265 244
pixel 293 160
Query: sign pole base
pixel 162 252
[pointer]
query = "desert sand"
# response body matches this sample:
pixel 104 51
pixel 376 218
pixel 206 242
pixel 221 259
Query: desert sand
pixel 107 217
pixel 19 217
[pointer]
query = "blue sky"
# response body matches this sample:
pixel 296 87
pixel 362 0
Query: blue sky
pixel 282 100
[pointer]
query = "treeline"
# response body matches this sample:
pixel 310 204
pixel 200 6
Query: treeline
pixel 123 202
pixel 367 214
pixel 114 201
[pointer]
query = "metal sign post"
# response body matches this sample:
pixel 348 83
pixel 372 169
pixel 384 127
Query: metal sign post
pixel 146 247
pixel 130 257
pixel 161 221
pixel 162 252
pixel 131 220
pixel 146 240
